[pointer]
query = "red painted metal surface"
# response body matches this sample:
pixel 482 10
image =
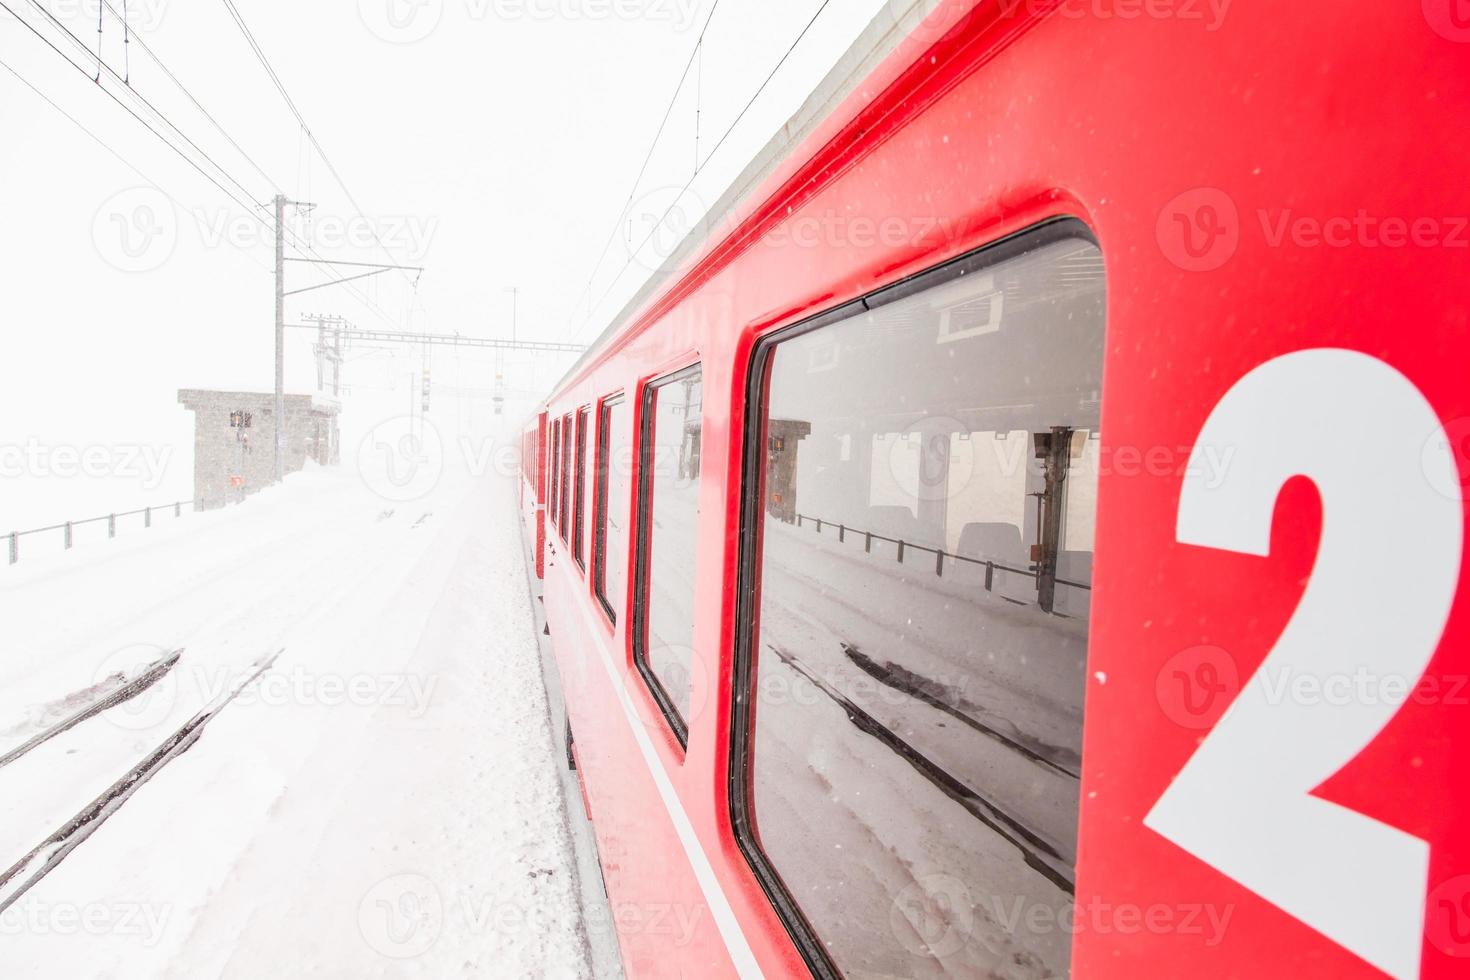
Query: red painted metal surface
pixel 1263 179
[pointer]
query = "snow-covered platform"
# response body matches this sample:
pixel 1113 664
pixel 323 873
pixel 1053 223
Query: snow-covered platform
pixel 383 799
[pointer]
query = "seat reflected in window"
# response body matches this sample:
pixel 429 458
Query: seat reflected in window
pixel 925 566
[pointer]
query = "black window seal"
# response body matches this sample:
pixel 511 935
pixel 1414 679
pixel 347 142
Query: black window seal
pixel 555 443
pixel 643 530
pixel 565 494
pixel 579 490
pixel 599 504
pixel 752 476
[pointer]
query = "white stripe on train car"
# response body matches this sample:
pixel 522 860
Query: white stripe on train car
pixel 714 893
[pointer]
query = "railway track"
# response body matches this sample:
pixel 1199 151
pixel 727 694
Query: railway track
pixel 42 859
pixel 122 694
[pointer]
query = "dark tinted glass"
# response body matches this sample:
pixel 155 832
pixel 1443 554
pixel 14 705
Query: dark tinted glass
pixel 566 472
pixel 614 504
pixel 555 470
pixel 669 518
pixel 928 495
pixel 579 486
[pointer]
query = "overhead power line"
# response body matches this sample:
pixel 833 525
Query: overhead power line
pixel 311 137
pixel 129 109
pixel 107 146
pixel 122 19
pixel 248 204
pixel 643 169
pixel 690 182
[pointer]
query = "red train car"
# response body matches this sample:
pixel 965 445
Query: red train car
pixel 1024 536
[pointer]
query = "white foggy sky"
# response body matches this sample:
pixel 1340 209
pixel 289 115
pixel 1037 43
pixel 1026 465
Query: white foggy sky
pixel 504 142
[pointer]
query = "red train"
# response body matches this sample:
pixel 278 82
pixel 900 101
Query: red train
pixel 1104 356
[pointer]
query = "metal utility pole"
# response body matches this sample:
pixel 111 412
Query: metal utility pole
pixel 280 447
pixel 281 293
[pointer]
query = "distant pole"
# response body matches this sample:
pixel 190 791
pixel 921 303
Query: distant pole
pixel 514 296
pixel 280 448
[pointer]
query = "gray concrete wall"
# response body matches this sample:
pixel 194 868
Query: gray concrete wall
pixel 220 452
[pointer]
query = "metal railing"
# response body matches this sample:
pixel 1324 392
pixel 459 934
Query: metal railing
pixel 68 527
pixel 940 555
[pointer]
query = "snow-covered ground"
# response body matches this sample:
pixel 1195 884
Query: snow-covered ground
pixel 385 800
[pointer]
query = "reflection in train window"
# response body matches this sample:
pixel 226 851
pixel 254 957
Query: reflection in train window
pixel 928 487
pixel 578 489
pixel 668 515
pixel 555 460
pixel 566 476
pixel 614 501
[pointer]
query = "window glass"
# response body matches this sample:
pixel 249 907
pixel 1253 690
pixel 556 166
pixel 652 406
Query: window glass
pixel 579 487
pixel 555 469
pixel 925 526
pixel 566 472
pixel 668 519
pixel 614 504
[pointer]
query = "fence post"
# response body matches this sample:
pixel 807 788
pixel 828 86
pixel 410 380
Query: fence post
pixel 112 525
pixel 939 563
pixel 147 516
pixel 989 575
pixel 798 520
pixel 819 525
pixel 842 532
pixel 68 534
pixel 868 541
pixel 177 504
pixel 14 547
pixel 900 552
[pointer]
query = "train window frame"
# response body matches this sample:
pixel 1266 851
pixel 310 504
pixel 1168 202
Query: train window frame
pixel 579 490
pixel 642 528
pixel 566 454
pixel 555 474
pixel 599 504
pixel 740 773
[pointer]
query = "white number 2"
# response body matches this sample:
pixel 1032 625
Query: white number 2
pixel 1380 592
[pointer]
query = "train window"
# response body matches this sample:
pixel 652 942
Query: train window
pixel 566 475
pixel 916 572
pixel 613 502
pixel 578 489
pixel 668 516
pixel 555 469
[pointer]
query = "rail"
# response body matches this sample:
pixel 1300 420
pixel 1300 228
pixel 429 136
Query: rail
pixel 939 554
pixel 68 527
